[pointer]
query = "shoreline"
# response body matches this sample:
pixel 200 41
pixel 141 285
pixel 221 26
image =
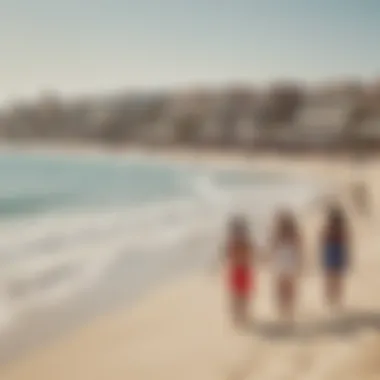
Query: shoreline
pixel 130 318
pixel 309 166
pixel 231 158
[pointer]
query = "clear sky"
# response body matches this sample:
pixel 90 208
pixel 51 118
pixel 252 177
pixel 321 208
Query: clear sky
pixel 78 46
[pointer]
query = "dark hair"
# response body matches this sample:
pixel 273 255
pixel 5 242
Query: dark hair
pixel 286 225
pixel 336 226
pixel 238 228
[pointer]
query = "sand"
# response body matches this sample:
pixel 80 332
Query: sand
pixel 182 331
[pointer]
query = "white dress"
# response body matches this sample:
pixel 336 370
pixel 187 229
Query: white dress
pixel 286 259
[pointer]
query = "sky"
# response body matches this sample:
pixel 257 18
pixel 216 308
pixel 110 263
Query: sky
pixel 85 46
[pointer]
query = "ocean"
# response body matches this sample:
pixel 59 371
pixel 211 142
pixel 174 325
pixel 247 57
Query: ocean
pixel 80 234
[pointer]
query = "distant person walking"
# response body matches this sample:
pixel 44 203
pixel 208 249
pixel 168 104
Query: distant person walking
pixel 287 257
pixel 335 243
pixel 240 254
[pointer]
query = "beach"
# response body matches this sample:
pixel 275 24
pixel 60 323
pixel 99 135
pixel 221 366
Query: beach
pixel 181 329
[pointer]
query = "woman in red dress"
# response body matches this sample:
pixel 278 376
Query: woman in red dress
pixel 240 253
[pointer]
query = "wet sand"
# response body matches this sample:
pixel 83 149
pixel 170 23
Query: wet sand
pixel 181 331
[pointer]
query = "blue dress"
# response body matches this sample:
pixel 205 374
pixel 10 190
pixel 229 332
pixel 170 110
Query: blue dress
pixel 335 256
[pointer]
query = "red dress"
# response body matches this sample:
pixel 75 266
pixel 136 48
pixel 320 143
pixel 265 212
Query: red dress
pixel 240 275
pixel 240 280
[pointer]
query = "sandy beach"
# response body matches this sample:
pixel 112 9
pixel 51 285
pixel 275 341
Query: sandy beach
pixel 181 331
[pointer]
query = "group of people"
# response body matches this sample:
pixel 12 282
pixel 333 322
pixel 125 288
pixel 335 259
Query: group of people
pixel 285 256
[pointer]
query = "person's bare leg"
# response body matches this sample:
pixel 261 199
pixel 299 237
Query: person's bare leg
pixel 234 305
pixel 280 298
pixel 334 290
pixel 338 291
pixel 239 310
pixel 328 290
pixel 289 301
pixel 284 299
pixel 244 309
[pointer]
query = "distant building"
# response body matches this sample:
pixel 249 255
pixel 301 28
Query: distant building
pixel 323 117
pixel 317 125
pixel 367 134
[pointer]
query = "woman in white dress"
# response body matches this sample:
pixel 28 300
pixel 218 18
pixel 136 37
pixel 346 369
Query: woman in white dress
pixel 286 254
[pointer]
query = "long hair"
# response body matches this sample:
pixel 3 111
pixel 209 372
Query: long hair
pixel 286 226
pixel 336 225
pixel 238 231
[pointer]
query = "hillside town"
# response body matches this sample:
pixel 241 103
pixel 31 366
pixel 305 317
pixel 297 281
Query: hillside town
pixel 287 115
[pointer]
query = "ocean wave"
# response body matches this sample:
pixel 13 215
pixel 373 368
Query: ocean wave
pixel 23 204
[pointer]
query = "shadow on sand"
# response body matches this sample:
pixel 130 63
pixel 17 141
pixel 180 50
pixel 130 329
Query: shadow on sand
pixel 344 324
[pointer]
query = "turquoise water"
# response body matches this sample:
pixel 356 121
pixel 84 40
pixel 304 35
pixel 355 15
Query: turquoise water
pixel 35 184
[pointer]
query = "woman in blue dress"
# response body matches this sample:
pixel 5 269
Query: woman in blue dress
pixel 335 255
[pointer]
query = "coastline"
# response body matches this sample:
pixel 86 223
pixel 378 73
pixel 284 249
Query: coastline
pixel 179 331
pixel 213 157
